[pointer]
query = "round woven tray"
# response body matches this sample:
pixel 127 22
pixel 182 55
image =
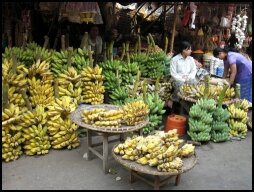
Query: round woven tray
pixel 76 118
pixel 194 100
pixel 188 163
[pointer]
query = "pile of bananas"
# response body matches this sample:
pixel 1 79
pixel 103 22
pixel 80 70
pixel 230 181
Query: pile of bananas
pixel 220 127
pixel 11 133
pixel 16 79
pixel 165 91
pixel 151 65
pixel 187 150
pixel 197 91
pixel 93 88
pixel 119 96
pixel 200 120
pixel 29 54
pixel 60 128
pixel 156 106
pixel 161 150
pixel 238 118
pixel 35 132
pixel 99 117
pixel 40 82
pixel 69 84
pixel 135 112
pixel 126 73
pixel 78 59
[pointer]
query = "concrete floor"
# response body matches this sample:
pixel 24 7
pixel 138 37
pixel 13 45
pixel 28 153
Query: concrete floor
pixel 222 166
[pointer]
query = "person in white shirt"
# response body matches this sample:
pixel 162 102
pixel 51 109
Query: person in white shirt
pixel 182 68
pixel 95 40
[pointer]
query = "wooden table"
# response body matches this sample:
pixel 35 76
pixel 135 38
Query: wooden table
pixel 104 132
pixel 136 170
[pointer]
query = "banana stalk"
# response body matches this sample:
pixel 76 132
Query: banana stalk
pixel 166 45
pixel 14 64
pixel 90 57
pixel 152 41
pixel 46 41
pixel 207 79
pixel 222 95
pixel 5 90
pixel 148 44
pixel 111 50
pixel 145 91
pixel 70 50
pixel 105 52
pixel 56 90
pixel 135 89
pixel 136 47
pixel 63 42
pixel 127 51
pixel 25 97
pixel 123 51
pixel 238 91
pixel 157 89
pixel 139 44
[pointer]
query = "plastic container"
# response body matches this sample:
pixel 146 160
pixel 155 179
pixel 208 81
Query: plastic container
pixel 177 122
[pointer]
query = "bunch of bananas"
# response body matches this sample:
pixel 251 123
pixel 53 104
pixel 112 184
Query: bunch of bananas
pixel 80 58
pixel 187 150
pixel 11 149
pixel 93 88
pixel 101 118
pixel 198 91
pixel 16 79
pixel 29 54
pixel 61 129
pixel 200 120
pixel 58 62
pixel 126 73
pixel 165 90
pixel 11 133
pixel 40 81
pixel 119 96
pixel 69 84
pixel 151 65
pixel 135 112
pixel 220 127
pixel 161 149
pixel 238 119
pixel 156 106
pixel 35 131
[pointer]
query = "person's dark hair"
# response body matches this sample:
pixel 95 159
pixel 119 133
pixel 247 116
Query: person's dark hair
pixel 184 45
pixel 217 50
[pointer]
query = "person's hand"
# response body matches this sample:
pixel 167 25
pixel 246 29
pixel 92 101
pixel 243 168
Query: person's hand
pixel 226 82
pixel 199 65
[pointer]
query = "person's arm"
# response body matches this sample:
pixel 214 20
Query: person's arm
pixel 233 71
pixel 226 68
pixel 193 71
pixel 174 73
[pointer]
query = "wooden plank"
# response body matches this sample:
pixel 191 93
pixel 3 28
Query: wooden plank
pixel 95 152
